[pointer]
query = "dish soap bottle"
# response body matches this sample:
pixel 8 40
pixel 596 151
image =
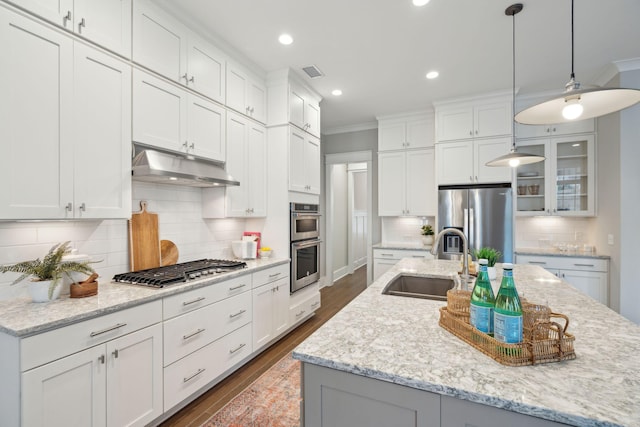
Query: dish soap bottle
pixel 482 301
pixel 508 310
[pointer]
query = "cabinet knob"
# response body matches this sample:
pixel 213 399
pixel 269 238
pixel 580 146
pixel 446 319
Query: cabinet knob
pixel 83 207
pixel 470 178
pixel 192 146
pixel 192 79
pixel 101 359
pixel 476 132
pixel 185 77
pixel 81 24
pixel 69 207
pixel 470 133
pixel 66 18
pixel 115 353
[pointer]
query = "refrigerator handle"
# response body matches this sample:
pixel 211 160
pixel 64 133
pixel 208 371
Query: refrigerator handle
pixel 470 236
pixel 465 225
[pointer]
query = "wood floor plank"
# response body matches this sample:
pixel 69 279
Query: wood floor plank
pixel 333 298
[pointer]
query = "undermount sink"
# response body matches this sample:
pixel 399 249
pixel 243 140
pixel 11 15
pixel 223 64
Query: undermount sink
pixel 434 288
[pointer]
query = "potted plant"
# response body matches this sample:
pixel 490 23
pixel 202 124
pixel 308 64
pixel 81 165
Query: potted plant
pixel 492 256
pixel 46 273
pixel 427 234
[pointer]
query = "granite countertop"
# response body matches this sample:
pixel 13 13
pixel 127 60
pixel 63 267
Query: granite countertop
pixel 557 253
pixel 20 317
pixel 416 246
pixel 398 339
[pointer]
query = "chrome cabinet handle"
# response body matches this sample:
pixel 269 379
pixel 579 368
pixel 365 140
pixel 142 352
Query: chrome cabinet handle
pixel 83 207
pixel 237 348
pixel 584 265
pixel 115 353
pixel 538 262
pixel 192 79
pixel 109 329
pixel 301 313
pixel 235 288
pixel 69 207
pixel 81 24
pixel 193 301
pixel 185 77
pixel 231 316
pixel 66 18
pixel 193 334
pixel 274 275
pixel 386 254
pixel 192 146
pixel 101 359
pixel 190 377
pixel 315 304
pixel 470 133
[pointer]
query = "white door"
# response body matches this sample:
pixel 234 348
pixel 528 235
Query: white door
pixel 312 164
pixel 420 182
pixel 297 167
pixel 159 41
pixel 455 123
pixel 392 136
pixel 280 306
pixel 59 12
pixel 236 89
pixel 312 117
pixel 591 283
pixel 36 83
pixel 257 101
pixel 391 184
pixel 455 162
pixel 206 128
pixel 206 69
pixel 257 170
pixel 159 112
pixel 134 378
pixel 105 22
pixel 487 150
pixel 296 107
pixel 48 389
pixel 102 123
pixel 237 196
pixel 420 133
pixel 263 315
pixel 492 120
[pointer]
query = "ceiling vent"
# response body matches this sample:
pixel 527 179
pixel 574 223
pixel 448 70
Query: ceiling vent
pixel 313 71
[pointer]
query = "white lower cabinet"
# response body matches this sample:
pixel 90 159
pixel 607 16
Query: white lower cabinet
pixel 588 275
pixel 384 259
pixel 270 311
pixel 304 308
pixel 118 383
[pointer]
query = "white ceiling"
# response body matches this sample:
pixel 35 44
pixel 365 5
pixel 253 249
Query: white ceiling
pixel 378 51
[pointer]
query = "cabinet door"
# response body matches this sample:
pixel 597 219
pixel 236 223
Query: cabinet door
pixel 134 378
pixel 312 117
pixel 206 69
pixel 455 123
pixel 105 22
pixel 392 136
pixel 420 133
pixel 486 150
pixel 159 41
pixel 237 196
pixel 206 128
pixel 54 11
pixel 257 170
pixel 532 180
pixel 391 184
pixel 48 389
pixel 281 306
pixel 455 162
pixel 492 120
pixel 297 168
pixel 257 101
pixel 236 87
pixel 102 120
pixel 420 182
pixel 573 175
pixel 381 266
pixel 296 106
pixel 36 83
pixel 312 164
pixel 594 284
pixel 159 112
pixel 263 321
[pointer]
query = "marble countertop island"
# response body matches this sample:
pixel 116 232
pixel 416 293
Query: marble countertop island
pixel 21 317
pixel 398 339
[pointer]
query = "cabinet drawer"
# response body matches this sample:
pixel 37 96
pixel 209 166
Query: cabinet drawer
pixel 303 309
pixel 270 274
pixel 400 253
pixel 48 346
pixel 188 301
pixel 565 263
pixel 187 333
pixel 190 374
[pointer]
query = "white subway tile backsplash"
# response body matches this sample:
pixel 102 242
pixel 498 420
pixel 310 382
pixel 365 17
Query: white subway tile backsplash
pixel 544 232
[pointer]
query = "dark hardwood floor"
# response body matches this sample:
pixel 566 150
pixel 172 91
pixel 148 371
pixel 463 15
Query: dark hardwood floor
pixel 333 298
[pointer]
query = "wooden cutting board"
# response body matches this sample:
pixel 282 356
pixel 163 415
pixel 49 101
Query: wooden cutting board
pixel 144 240
pixel 168 253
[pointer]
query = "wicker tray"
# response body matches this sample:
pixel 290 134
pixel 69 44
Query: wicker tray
pixel 544 341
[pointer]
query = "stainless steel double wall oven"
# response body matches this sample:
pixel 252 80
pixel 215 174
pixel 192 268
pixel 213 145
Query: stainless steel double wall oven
pixel 305 245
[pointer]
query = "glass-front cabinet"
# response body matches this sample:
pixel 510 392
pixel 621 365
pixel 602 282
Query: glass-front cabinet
pixel 563 184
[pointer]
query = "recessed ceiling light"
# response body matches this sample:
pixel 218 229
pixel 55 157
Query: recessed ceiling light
pixel 285 39
pixel 432 74
pixel 336 92
pixel 420 2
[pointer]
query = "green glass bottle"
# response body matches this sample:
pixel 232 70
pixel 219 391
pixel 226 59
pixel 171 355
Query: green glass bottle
pixel 508 310
pixel 482 301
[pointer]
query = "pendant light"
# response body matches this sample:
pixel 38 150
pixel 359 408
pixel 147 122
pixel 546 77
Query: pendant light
pixel 513 158
pixel 576 103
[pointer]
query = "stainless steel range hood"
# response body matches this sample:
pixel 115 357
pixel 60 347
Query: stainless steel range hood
pixel 153 165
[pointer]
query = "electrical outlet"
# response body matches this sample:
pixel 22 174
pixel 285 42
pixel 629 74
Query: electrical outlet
pixel 610 239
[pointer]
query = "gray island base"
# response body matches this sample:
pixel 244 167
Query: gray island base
pixel 384 361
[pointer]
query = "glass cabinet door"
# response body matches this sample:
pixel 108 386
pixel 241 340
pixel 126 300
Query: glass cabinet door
pixel 574 175
pixel 531 180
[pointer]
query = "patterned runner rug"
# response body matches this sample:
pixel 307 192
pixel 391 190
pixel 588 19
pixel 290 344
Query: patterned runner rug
pixel 273 400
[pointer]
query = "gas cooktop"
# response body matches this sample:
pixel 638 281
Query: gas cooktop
pixel 178 273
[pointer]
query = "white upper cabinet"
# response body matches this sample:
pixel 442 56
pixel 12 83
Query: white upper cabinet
pixel 162 44
pixel 245 93
pixel 166 116
pixel 464 162
pixel 104 22
pixel 69 111
pixel 304 109
pixel 537 131
pixel 479 119
pixel 293 102
pixel 304 162
pixel 414 131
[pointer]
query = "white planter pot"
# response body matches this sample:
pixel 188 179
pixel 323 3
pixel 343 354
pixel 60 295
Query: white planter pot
pixel 39 291
pixel 427 240
pixel 492 273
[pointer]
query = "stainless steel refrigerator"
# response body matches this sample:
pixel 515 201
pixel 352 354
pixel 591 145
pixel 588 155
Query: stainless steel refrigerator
pixel 483 212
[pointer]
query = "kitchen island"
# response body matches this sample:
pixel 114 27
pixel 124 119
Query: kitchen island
pixel 386 356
